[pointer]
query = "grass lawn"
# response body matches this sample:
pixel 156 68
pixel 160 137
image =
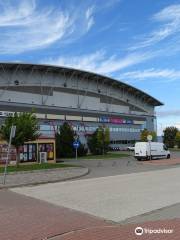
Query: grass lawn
pixel 35 166
pixel 174 149
pixel 110 155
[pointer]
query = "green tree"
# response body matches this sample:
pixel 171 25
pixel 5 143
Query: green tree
pixel 145 133
pixel 92 143
pixel 100 140
pixel 64 141
pixel 82 150
pixel 169 136
pixel 106 139
pixel 177 139
pixel 98 143
pixel 26 130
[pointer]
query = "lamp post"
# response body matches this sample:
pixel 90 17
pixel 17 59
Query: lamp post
pixel 149 138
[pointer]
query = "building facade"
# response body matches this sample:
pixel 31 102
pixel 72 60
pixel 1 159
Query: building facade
pixel 84 99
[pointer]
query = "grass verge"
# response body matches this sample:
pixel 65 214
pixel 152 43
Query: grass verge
pixel 174 149
pixel 35 166
pixel 110 155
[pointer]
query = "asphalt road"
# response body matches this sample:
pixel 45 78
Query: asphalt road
pixel 103 168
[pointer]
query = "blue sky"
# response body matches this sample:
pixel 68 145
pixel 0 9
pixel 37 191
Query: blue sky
pixel 137 42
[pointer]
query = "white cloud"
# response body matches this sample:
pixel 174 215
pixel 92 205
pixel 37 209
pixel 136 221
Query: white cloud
pixel 23 26
pixel 169 20
pixel 86 62
pixel 99 62
pixel 167 75
pixel 177 125
pixel 89 17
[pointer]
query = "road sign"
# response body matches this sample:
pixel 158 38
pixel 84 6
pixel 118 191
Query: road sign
pixel 149 137
pixel 76 144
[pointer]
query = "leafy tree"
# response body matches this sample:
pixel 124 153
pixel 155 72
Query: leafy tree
pixel 98 143
pixel 145 133
pixel 92 143
pixel 100 140
pixel 169 136
pixel 64 141
pixel 106 139
pixel 177 139
pixel 82 150
pixel 26 130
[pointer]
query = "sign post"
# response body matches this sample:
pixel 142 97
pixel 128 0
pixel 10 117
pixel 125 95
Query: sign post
pixel 76 145
pixel 12 135
pixel 149 138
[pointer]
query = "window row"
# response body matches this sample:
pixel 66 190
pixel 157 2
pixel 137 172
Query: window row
pixel 122 142
pixel 49 128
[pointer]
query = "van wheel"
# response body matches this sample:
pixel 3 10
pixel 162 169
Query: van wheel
pixel 168 156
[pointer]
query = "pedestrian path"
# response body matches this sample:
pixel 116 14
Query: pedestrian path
pixel 114 198
pixel 42 176
pixel 27 218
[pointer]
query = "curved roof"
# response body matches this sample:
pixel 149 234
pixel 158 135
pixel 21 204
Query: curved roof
pixel 153 101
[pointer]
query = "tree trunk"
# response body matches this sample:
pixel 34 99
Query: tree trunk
pixel 17 156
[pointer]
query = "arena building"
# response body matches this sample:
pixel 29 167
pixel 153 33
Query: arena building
pixel 84 99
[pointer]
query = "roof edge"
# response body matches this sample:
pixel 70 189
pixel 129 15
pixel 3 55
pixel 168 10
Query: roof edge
pixel 158 103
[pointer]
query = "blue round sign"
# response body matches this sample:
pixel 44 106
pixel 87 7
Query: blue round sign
pixel 76 144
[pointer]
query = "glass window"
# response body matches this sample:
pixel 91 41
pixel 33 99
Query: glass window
pixel 165 147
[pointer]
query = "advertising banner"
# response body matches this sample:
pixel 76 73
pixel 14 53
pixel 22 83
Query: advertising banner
pixel 104 119
pixel 117 120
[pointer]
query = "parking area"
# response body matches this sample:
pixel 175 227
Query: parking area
pixel 112 167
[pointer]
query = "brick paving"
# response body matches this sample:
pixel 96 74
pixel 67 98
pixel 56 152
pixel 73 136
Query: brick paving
pixel 26 218
pixel 163 162
pixel 125 232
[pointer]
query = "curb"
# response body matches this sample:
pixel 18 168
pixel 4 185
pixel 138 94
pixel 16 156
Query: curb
pixel 41 170
pixel 45 182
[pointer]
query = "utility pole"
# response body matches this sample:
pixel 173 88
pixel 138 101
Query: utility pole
pixel 149 138
pixel 12 135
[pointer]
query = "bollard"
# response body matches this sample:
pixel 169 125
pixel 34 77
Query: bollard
pixel 114 163
pixel 128 163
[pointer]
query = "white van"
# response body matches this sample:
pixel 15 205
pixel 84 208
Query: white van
pixel 150 150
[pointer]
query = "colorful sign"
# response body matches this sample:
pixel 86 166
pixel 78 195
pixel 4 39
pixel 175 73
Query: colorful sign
pixel 129 121
pixel 117 120
pixel 76 144
pixel 104 119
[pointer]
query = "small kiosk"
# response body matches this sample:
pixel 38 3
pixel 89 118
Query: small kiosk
pixel 31 151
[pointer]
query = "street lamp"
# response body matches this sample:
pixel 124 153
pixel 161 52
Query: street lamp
pixel 149 138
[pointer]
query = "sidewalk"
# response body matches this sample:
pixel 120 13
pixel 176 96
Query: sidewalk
pixel 25 218
pixel 163 162
pixel 42 176
pixel 31 219
pixel 125 232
